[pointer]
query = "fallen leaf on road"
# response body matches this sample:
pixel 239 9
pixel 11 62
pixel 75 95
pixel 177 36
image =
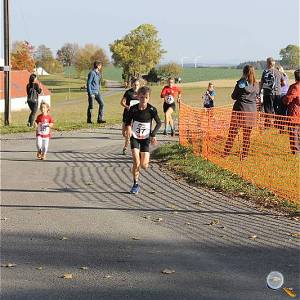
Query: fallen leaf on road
pixel 158 220
pixel 152 192
pixel 135 238
pixel 214 222
pixel 222 227
pixel 67 276
pixel 296 234
pixel 172 206
pixel 64 238
pixel 252 237
pixel 198 203
pixel 187 223
pixel 290 292
pixel 9 265
pixel 167 271
pixel 107 276
pixel 84 268
pixel 89 183
pixel 147 217
pixel 39 268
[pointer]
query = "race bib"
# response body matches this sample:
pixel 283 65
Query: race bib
pixel 43 128
pixel 169 99
pixel 141 131
pixel 134 102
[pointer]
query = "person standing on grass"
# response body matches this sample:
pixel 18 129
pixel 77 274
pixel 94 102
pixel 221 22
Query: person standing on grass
pixel 33 91
pixel 129 99
pixel 43 123
pixel 93 91
pixel 243 116
pixel 139 129
pixel 209 96
pixel 281 107
pixel 292 100
pixel 270 84
pixel 168 93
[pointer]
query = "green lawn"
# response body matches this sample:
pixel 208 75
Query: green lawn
pixel 69 102
pixel 206 174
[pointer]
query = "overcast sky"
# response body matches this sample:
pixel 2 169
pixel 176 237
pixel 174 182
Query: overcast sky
pixel 220 31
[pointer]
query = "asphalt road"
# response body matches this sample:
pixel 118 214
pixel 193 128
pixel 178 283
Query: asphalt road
pixel 73 210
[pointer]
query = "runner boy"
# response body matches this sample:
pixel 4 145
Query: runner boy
pixel 138 128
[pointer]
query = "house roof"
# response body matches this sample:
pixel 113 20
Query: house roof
pixel 19 80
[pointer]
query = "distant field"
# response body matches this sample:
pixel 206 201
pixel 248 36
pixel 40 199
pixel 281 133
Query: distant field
pixel 110 72
pixel 200 74
pixel 189 74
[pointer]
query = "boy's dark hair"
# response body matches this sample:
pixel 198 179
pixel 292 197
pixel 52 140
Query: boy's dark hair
pixel 297 75
pixel 144 90
pixel 97 63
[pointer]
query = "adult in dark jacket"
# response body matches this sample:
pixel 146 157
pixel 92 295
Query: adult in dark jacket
pixel 33 90
pixel 244 110
pixel 270 84
pixel 93 91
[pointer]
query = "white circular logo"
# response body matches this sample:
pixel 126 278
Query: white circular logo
pixel 275 280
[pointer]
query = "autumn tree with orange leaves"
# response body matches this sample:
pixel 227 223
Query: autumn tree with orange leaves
pixel 22 57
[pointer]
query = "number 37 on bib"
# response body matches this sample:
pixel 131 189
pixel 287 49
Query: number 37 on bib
pixel 141 130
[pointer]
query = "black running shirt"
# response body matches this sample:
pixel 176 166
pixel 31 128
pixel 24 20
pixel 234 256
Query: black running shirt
pixel 141 121
pixel 130 95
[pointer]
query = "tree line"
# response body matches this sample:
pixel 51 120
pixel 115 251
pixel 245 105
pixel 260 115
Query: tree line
pixel 138 53
pixel 290 56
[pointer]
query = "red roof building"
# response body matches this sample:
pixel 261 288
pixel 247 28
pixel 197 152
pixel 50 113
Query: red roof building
pixel 19 81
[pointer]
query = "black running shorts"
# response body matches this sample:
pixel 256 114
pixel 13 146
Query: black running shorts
pixel 142 145
pixel 166 106
pixel 125 113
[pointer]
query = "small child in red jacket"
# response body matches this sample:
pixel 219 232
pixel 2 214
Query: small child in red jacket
pixel 43 124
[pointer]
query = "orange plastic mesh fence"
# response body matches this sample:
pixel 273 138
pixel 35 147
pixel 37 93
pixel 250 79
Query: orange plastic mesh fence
pixel 258 147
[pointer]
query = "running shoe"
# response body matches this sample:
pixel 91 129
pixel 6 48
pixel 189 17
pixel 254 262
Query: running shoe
pixel 124 151
pixel 135 189
pixel 39 155
pixel 43 156
pixel 172 132
pixel 165 132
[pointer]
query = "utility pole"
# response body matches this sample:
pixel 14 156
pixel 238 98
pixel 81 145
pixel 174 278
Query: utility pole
pixel 7 74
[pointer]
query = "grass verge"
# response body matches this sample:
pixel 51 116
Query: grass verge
pixel 204 173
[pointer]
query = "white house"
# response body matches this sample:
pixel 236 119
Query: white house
pixel 19 80
pixel 41 72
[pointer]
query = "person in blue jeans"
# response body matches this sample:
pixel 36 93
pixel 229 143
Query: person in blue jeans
pixel 93 90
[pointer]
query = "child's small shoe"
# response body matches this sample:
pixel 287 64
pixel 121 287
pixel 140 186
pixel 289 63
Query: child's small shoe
pixel 39 155
pixel 43 156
